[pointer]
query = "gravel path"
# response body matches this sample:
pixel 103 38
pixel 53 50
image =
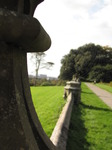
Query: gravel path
pixel 105 96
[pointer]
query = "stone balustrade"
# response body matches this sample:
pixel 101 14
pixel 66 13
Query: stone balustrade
pixel 20 32
pixel 74 88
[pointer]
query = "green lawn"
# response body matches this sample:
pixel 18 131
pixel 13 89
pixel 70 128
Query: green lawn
pixel 91 124
pixel 105 87
pixel 48 102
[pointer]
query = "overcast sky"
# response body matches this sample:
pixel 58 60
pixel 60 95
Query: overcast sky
pixel 73 23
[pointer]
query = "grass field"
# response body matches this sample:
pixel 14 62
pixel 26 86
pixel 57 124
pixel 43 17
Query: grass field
pixel 105 87
pixel 91 124
pixel 48 102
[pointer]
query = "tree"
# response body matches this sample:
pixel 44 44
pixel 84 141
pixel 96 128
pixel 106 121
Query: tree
pixel 67 70
pixel 101 73
pixel 39 62
pixel 85 61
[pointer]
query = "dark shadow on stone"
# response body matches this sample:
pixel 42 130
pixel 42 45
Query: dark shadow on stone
pixel 77 131
pixel 94 108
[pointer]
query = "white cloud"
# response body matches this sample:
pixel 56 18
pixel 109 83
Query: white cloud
pixel 77 4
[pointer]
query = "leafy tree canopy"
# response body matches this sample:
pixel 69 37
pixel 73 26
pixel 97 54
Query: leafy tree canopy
pixel 90 61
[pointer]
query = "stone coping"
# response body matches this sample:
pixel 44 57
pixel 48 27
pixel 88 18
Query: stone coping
pixel 71 88
pixel 60 133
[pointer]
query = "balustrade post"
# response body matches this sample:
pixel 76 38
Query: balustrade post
pixel 74 88
pixel 20 33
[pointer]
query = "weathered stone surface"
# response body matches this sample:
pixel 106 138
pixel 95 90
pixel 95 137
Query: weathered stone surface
pixel 20 33
pixel 60 134
pixel 74 88
pixel 19 125
pixel 24 31
pixel 21 6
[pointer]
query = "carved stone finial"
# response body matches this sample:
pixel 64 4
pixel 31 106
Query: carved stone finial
pixel 76 78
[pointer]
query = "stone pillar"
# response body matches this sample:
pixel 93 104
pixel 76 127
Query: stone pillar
pixel 20 33
pixel 74 88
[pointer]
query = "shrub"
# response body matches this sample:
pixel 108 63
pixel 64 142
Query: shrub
pixel 61 83
pixel 47 83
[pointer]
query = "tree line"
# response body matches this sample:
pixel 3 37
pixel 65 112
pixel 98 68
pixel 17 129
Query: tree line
pixel 91 62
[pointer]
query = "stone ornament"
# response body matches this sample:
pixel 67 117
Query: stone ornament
pixel 18 26
pixel 20 33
